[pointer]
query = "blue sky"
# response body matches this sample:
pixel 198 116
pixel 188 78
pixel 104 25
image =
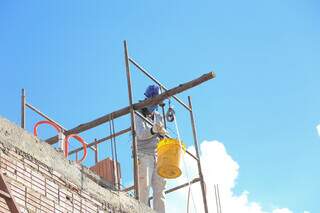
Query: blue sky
pixel 263 105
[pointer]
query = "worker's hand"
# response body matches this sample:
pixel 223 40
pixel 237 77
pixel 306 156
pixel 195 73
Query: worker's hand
pixel 159 128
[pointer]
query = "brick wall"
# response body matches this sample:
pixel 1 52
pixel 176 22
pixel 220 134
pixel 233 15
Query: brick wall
pixel 37 188
pixel 42 180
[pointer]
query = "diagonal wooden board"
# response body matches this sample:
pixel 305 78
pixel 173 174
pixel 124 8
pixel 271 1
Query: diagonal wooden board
pixel 6 195
pixel 156 100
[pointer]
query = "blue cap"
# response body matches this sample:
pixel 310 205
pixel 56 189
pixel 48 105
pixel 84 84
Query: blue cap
pixel 152 91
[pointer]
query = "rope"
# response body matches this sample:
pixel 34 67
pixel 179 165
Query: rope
pixel 218 193
pixel 217 197
pixel 172 132
pixel 186 169
pixel 188 199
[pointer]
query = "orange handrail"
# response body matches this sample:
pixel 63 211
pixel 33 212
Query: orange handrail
pixel 35 128
pixel 77 137
pixel 66 140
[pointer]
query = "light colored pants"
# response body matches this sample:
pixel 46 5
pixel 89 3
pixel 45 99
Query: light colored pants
pixel 148 177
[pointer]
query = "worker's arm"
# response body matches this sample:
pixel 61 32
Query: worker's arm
pixel 159 126
pixel 143 130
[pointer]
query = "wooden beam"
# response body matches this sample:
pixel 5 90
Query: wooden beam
pixel 137 106
pixel 4 194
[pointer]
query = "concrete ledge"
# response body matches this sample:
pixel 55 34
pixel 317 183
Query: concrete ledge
pixel 13 137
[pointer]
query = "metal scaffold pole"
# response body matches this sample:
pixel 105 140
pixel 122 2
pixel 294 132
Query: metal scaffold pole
pixel 202 183
pixel 23 109
pixel 133 127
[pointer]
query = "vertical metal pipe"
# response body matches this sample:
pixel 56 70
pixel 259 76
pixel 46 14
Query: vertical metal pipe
pixel 96 152
pixel 61 141
pixel 117 178
pixel 202 183
pixel 163 111
pixel 23 108
pixel 112 153
pixel 164 117
pixel 133 127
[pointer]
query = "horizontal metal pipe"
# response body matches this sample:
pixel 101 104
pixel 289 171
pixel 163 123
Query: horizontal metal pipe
pixel 179 187
pixel 143 118
pixel 169 190
pixel 130 188
pixel 194 157
pixel 44 115
pixel 96 142
pixel 147 120
pixel 182 186
pixel 48 118
pixel 157 82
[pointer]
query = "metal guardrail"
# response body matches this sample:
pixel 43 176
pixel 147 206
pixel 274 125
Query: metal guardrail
pixel 132 109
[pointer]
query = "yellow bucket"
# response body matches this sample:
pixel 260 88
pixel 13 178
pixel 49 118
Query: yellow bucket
pixel 169 152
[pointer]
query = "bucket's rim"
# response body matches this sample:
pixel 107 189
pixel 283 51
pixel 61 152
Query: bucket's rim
pixel 167 141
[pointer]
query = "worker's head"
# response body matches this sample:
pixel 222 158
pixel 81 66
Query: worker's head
pixel 152 91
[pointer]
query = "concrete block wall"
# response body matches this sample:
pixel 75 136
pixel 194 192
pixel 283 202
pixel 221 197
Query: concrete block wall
pixel 42 180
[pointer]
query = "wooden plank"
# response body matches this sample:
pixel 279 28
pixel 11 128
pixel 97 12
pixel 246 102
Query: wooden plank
pixel 156 100
pixel 4 194
pixel 10 201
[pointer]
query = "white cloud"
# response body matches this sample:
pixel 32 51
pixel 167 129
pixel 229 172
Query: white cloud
pixel 283 210
pixel 218 168
pixel 318 129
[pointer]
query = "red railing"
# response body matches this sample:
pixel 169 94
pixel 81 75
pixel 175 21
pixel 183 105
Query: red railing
pixel 65 146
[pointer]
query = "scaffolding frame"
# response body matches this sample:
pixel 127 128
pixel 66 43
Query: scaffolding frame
pixel 132 109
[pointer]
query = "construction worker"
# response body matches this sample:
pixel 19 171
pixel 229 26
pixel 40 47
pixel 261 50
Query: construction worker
pixel 147 139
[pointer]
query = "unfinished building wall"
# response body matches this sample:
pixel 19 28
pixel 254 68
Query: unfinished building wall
pixel 42 180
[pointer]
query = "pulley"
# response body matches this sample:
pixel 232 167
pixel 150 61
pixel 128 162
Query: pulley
pixel 170 113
